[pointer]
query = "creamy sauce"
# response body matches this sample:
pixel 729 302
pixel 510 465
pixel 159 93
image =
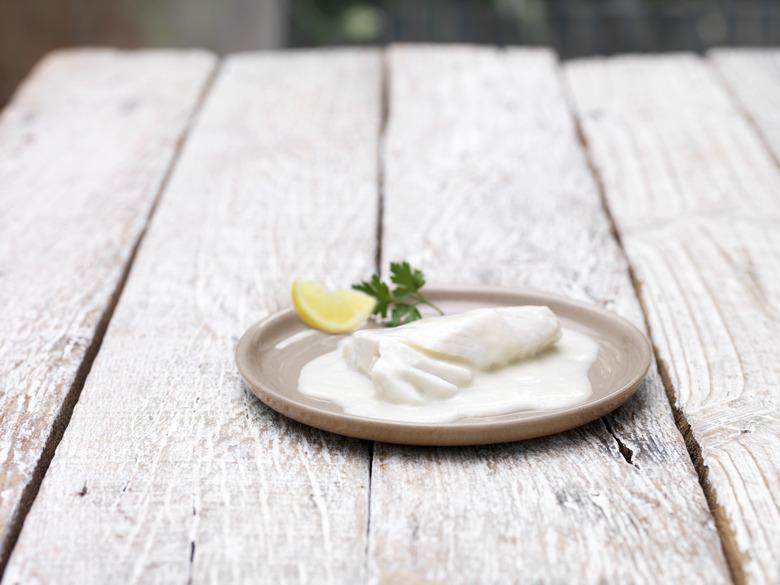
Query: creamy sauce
pixel 556 377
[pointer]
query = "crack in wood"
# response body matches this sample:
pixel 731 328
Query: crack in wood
pixel 62 419
pixel 190 577
pixel 625 450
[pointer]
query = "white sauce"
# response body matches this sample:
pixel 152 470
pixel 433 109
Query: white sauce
pixel 555 378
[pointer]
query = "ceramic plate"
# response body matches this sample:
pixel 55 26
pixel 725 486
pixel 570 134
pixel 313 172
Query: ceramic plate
pixel 271 353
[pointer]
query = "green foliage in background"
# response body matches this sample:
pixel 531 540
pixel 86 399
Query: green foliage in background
pixel 573 27
pixel 326 22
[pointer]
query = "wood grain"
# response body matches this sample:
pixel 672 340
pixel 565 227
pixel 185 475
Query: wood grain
pixel 170 470
pixel 696 198
pixel 85 147
pixel 486 183
pixel 753 77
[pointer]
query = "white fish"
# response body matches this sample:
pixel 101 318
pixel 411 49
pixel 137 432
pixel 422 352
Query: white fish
pixel 432 358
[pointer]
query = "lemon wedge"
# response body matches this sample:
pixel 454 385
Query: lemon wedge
pixel 341 311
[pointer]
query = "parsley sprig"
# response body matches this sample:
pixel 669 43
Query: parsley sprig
pixel 403 299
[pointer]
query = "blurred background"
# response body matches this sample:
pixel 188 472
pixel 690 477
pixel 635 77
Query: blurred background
pixel 30 28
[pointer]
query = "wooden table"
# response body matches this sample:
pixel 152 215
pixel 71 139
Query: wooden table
pixel 155 204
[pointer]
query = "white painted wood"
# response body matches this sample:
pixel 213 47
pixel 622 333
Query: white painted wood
pixel 697 199
pixel 753 77
pixel 170 470
pixel 486 183
pixel 84 148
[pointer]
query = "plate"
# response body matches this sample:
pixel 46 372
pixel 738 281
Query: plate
pixel 271 353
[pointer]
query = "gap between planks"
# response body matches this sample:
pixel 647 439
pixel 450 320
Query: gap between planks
pixel 384 113
pixel 725 530
pixel 63 418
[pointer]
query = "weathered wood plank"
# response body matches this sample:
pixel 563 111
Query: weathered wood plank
pixel 753 76
pixel 486 183
pixel 84 149
pixel 170 470
pixel 697 198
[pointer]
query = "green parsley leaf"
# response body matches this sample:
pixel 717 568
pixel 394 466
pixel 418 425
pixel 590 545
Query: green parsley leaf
pixel 403 314
pixel 380 291
pixel 403 300
pixel 409 280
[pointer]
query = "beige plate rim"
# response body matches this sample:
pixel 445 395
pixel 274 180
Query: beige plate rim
pixel 474 432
